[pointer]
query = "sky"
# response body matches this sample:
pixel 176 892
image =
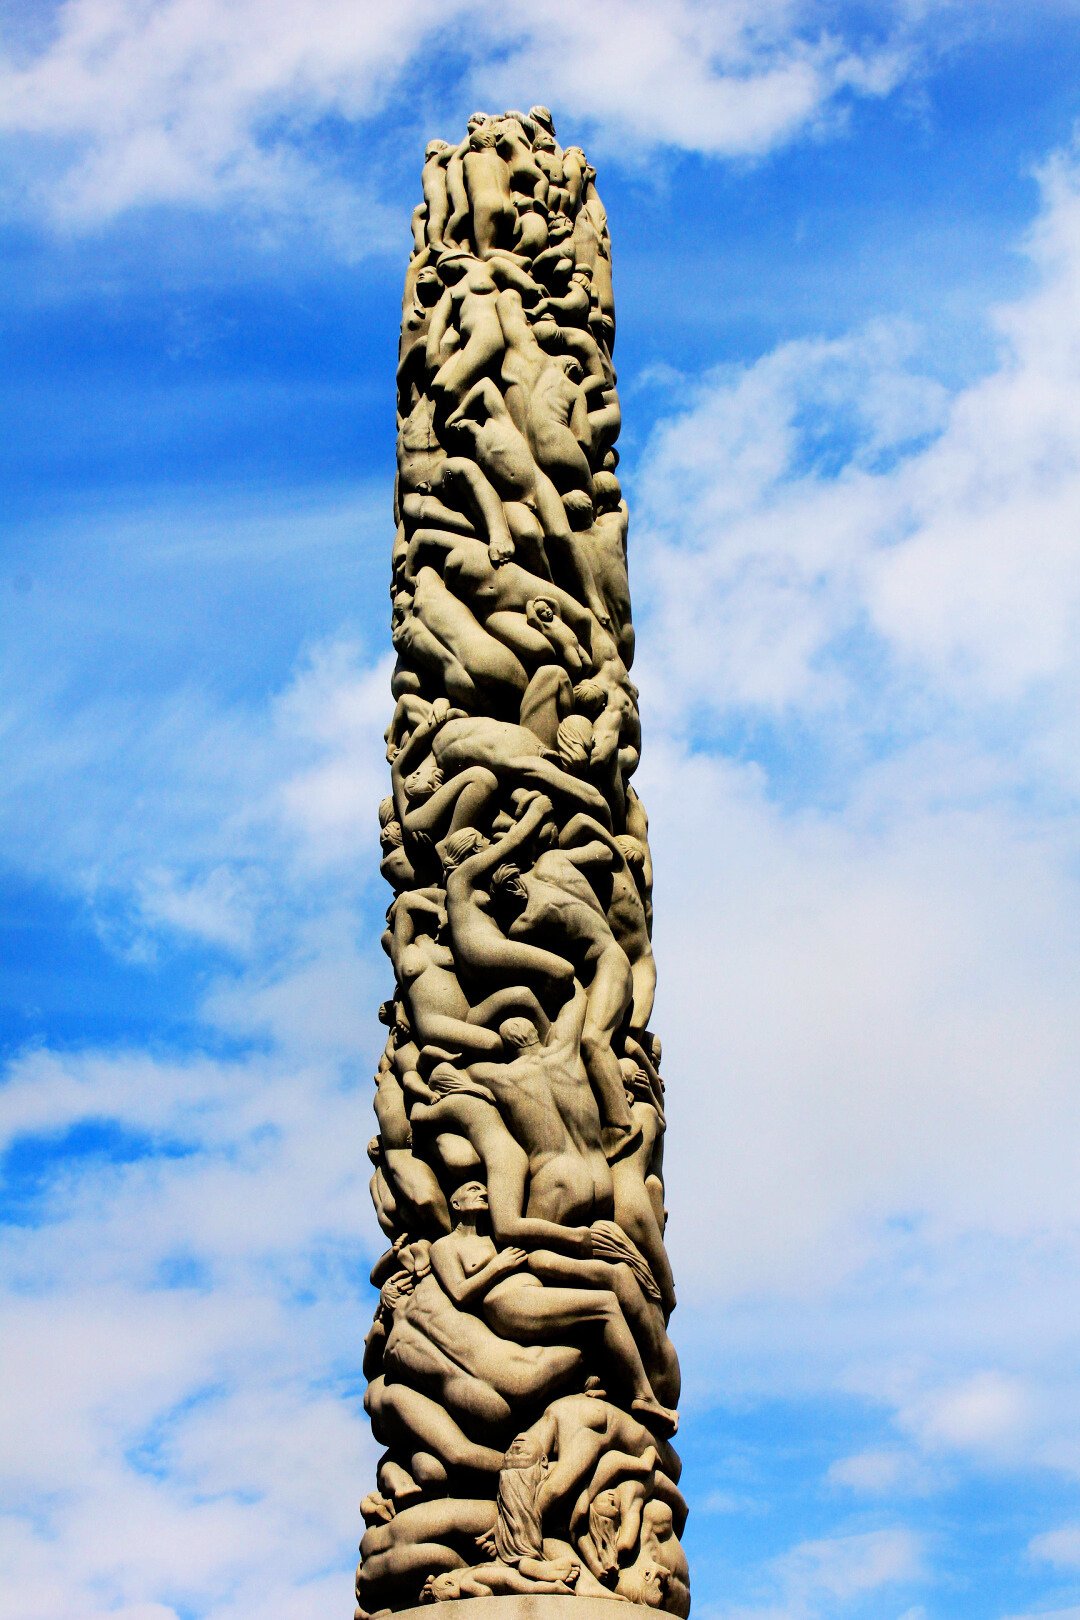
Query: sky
pixel 847 272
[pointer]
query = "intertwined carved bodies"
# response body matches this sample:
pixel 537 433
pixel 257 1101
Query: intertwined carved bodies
pixel 520 1373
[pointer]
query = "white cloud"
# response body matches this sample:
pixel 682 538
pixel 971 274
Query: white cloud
pixel 843 1566
pixel 867 593
pixel 1060 1547
pixel 879 1472
pixel 182 1329
pixel 821 1578
pixel 1072 1613
pixel 796 515
pixel 181 102
pixel 983 1412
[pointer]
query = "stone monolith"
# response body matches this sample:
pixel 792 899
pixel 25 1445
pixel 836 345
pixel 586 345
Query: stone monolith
pixel 521 1377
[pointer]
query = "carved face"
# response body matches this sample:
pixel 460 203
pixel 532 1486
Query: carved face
pixel 428 287
pixel 506 879
pixel 421 784
pixel 519 1032
pixel 522 1452
pixel 470 1198
pixel 443 1588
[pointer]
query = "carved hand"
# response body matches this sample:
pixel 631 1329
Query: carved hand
pixel 506 1261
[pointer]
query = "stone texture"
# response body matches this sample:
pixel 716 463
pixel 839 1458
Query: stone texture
pixel 521 1377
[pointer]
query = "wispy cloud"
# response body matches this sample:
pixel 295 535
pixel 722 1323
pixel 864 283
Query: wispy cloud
pixel 179 1312
pixel 179 103
pixel 862 654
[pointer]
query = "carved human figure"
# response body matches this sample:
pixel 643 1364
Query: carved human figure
pixel 499 597
pixel 635 1179
pixel 482 426
pixel 425 1431
pixel 419 1540
pixel 598 1255
pixel 468 312
pixel 422 1338
pixel 517 758
pixel 439 1011
pixel 427 808
pixel 559 901
pixel 412 1182
pixel 488 209
pixel 620 890
pixel 547 405
pixel 480 945
pixel 533 1121
pixel 436 204
pixel 516 1538
pixel 498 1286
pixel 660 1574
pixel 577 1432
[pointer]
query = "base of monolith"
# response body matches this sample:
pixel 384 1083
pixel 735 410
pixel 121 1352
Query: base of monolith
pixel 530 1607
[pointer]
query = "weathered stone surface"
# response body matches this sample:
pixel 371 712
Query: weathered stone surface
pixel 521 1375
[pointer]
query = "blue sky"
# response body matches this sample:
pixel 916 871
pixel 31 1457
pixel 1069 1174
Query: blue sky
pixel 847 258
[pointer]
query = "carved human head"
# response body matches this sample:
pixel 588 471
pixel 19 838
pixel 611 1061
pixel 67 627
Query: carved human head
pixel 578 506
pixel 506 880
pixel 574 739
pixel 591 696
pixel 459 846
pixel 422 783
pixel 607 491
pixel 435 148
pixel 524 1451
pixel 633 851
pixel 444 1078
pixel 428 287
pixel 442 1588
pixel 643 1583
pixel 519 1033
pixel 469 1198
pixel 604 1517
